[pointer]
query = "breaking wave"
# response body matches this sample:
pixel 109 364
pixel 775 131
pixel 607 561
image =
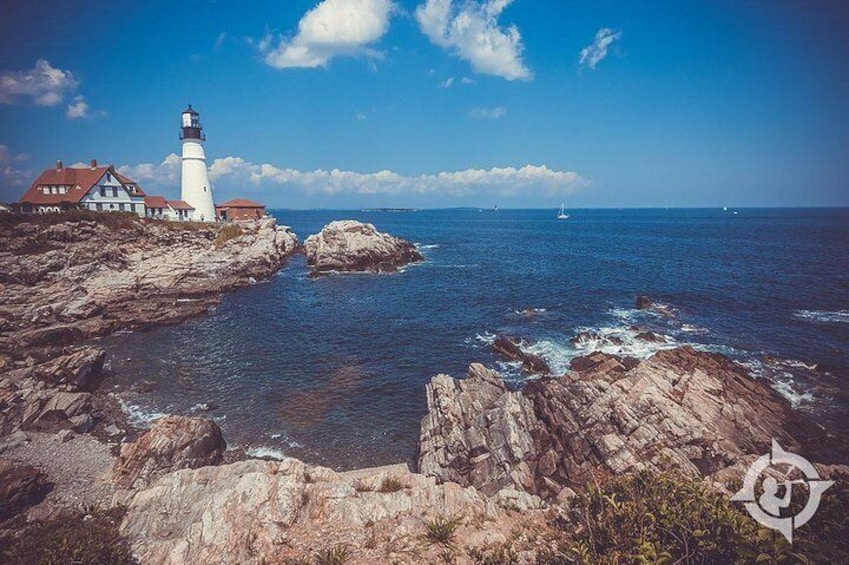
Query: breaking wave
pixel 823 317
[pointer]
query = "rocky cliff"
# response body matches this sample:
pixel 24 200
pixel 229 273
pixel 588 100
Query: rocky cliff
pixel 65 278
pixel 697 411
pixel 354 246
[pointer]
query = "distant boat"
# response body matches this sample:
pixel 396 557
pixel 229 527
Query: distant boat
pixel 725 208
pixel 562 215
pixel 495 208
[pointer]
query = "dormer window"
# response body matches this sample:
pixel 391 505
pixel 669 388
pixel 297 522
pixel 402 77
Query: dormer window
pixel 46 189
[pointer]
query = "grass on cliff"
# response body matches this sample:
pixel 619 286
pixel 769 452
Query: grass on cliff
pixel 78 538
pixel 114 220
pixel 673 518
pixel 228 232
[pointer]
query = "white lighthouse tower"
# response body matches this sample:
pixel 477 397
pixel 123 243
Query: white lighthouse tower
pixel 196 189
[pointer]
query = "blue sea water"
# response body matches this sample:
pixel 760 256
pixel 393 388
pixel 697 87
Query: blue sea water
pixel 332 369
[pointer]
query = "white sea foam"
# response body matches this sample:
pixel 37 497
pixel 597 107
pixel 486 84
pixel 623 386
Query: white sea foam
pixel 136 415
pixel 428 246
pixel 822 316
pixel 262 452
pixel 485 338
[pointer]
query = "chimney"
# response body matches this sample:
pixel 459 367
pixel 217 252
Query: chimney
pixel 59 165
pixel 94 163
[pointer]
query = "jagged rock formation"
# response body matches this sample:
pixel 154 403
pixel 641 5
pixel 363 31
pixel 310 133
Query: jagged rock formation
pixel 174 442
pixel 251 511
pixel 52 394
pixel 62 283
pixel 699 411
pixel 21 486
pixel 69 277
pixel 511 348
pixel 349 245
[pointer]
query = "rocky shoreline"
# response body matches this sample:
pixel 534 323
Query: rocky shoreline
pixel 495 464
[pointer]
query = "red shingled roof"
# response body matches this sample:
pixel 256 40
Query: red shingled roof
pixel 77 182
pixel 239 203
pixel 180 205
pixel 155 202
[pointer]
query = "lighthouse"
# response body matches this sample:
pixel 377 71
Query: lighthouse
pixel 196 189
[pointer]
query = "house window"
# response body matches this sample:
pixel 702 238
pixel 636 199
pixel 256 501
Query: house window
pixel 132 207
pixel 99 207
pixel 108 177
pixel 115 192
pixel 45 189
pixel 121 206
pixel 102 191
pixel 61 190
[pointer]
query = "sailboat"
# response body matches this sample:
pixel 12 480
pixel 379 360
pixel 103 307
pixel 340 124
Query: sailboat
pixel 562 215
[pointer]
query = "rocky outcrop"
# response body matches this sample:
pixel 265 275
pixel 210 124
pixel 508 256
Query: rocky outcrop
pixel 512 348
pixel 21 486
pixel 53 394
pixel 251 511
pixel 478 433
pixel 349 245
pixel 174 442
pixel 62 283
pixel 646 303
pixel 699 411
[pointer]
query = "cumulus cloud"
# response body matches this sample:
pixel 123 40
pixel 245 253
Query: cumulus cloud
pixel 162 175
pixel 12 178
pixel 447 83
pixel 487 113
pixel 470 30
pixel 77 109
pixel 238 172
pixel 42 85
pixel 592 55
pixel 333 28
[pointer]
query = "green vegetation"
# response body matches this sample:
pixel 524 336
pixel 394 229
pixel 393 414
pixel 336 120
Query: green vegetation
pixel 79 538
pixel 499 555
pixel 228 232
pixel 674 518
pixel 337 555
pixel 111 219
pixel 391 484
pixel 441 530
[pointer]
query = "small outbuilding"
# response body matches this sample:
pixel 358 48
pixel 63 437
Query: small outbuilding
pixel 239 209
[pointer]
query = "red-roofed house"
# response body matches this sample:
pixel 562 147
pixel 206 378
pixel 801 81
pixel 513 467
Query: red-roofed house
pixel 88 188
pixel 160 209
pixel 239 209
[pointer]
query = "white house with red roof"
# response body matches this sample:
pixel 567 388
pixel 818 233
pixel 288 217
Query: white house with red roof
pixel 97 188
pixel 100 189
pixel 159 208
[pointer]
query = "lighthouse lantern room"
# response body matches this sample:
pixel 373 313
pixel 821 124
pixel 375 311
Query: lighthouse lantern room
pixel 196 188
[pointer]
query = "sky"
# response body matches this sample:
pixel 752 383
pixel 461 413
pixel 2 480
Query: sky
pixel 438 103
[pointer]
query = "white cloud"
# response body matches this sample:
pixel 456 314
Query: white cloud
pixel 236 172
pixel 333 28
pixel 447 83
pixel 219 41
pixel 42 85
pixel 361 116
pixel 77 109
pixel 467 80
pixel 470 30
pixel 165 174
pixel 593 54
pixel 487 113
pixel 12 179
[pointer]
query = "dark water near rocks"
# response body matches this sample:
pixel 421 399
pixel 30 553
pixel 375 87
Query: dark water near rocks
pixel 333 370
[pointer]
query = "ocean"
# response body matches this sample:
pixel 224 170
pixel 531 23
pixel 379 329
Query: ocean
pixel 332 370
